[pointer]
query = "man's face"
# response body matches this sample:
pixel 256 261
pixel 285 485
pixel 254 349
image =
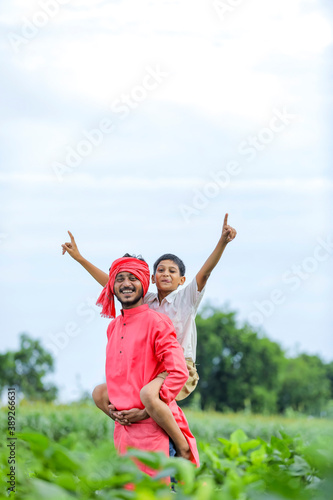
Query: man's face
pixel 167 276
pixel 128 290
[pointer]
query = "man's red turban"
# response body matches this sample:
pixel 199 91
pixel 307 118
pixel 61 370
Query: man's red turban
pixel 137 267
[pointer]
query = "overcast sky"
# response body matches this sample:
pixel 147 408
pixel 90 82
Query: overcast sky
pixel 137 126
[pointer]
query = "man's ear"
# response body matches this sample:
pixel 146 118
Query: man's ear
pixel 153 279
pixel 182 280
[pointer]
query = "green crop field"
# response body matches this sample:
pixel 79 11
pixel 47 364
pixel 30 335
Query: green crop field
pixel 67 452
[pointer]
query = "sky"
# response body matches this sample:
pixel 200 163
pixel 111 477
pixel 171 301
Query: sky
pixel 137 126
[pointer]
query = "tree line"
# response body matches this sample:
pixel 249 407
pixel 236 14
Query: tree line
pixel 239 370
pixel 242 370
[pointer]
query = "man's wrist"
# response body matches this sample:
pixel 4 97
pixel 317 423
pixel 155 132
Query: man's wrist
pixel 144 414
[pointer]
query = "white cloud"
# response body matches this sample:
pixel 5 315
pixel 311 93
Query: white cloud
pixel 211 63
pixel 138 183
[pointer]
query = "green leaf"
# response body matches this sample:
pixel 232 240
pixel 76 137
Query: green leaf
pixel 280 445
pixel 258 456
pixel 37 441
pixel 50 491
pixel 151 459
pixel 238 436
pixel 226 442
pixel 250 445
pixel 234 450
pixel 300 467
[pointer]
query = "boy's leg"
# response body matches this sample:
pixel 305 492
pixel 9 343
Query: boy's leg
pixel 161 413
pixel 101 398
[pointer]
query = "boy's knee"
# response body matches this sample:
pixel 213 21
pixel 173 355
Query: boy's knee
pixel 147 396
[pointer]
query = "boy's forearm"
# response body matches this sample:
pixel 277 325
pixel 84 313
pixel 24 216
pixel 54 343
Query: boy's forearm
pixel 228 234
pixel 210 264
pixel 100 276
pixel 214 258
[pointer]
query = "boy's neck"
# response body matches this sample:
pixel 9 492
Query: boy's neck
pixel 162 294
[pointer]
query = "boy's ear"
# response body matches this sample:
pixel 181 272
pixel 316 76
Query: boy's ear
pixel 182 280
pixel 153 279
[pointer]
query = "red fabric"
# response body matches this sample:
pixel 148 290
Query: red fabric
pixel 141 344
pixel 137 267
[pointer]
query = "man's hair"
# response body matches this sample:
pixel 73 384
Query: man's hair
pixel 175 259
pixel 139 257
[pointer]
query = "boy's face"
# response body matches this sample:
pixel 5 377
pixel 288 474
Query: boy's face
pixel 128 290
pixel 167 276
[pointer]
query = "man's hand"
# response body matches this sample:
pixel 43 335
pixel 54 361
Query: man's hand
pixel 71 248
pixel 127 417
pixel 228 232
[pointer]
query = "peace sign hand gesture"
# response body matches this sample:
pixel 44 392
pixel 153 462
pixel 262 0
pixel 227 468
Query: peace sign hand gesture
pixel 228 232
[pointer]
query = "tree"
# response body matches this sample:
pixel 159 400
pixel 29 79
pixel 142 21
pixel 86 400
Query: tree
pixel 329 374
pixel 237 368
pixel 26 368
pixel 305 384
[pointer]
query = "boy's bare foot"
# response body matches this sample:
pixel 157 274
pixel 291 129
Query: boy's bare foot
pixel 184 453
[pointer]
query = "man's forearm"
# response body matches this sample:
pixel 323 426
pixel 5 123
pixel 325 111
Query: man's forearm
pixel 100 276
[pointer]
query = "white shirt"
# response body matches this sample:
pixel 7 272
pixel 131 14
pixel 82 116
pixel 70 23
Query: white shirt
pixel 181 306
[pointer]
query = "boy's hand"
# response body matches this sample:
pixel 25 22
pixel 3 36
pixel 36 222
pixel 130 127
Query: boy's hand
pixel 71 248
pixel 228 232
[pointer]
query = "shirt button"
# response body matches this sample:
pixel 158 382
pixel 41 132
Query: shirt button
pixel 121 337
pixel 120 352
pixel 124 324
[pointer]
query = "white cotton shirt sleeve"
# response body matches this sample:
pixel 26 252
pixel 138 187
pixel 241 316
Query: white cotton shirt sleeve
pixel 186 303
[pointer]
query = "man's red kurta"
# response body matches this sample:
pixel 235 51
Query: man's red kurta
pixel 141 344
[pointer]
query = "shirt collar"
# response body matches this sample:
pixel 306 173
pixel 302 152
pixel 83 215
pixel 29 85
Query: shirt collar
pixel 168 298
pixel 125 313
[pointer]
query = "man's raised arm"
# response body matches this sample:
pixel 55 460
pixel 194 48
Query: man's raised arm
pixel 228 234
pixel 71 248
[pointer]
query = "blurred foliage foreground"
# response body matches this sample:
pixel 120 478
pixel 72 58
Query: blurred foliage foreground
pixel 67 452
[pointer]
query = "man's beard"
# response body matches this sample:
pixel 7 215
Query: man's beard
pixel 131 302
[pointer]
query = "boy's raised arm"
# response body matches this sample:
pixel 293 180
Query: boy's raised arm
pixel 71 248
pixel 228 234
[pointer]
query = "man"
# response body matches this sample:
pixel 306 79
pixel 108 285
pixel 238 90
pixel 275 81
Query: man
pixel 142 344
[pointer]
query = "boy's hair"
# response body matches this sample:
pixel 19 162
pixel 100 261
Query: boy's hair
pixel 175 259
pixel 135 256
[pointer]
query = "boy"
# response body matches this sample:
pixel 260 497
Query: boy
pixel 181 307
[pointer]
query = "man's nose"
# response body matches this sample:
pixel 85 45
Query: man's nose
pixel 127 282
